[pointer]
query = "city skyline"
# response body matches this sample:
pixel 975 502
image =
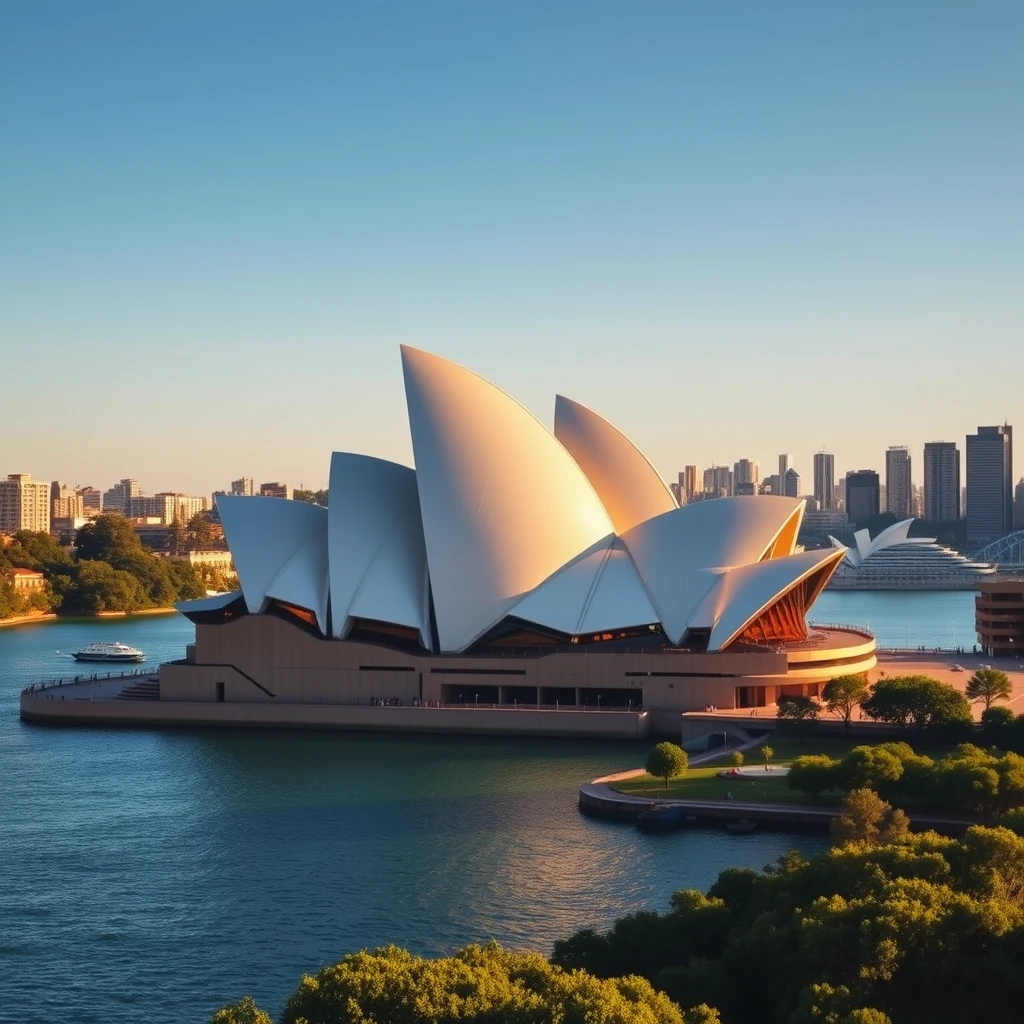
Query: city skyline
pixel 623 210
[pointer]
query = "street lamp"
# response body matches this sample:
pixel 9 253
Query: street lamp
pixel 476 699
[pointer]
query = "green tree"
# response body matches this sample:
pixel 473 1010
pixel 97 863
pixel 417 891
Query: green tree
pixel 864 817
pixel 919 701
pixel 812 774
pixel 200 532
pixel 988 685
pixel 245 1011
pixel 312 497
pixel 477 984
pixel 844 693
pixel 106 539
pixel 997 726
pixel 797 712
pixel 767 753
pixel 867 767
pixel 737 758
pixel 666 761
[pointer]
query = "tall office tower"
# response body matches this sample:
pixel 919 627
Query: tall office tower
pixel 1018 521
pixel 24 504
pixel 676 491
pixel 746 471
pixel 824 480
pixel 989 483
pixel 917 501
pixel 718 482
pixel 243 486
pixel 791 485
pixel 92 498
pixel 941 482
pixel 783 466
pixel 273 489
pixel 691 483
pixel 898 487
pixel 120 495
pixel 861 495
pixel 65 502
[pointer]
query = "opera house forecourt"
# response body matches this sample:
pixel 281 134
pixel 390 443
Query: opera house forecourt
pixel 514 581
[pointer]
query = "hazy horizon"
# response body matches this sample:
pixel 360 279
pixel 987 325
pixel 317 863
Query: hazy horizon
pixel 733 231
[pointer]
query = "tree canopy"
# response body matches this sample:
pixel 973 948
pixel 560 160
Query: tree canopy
pixel 844 693
pixel 988 685
pixel 666 761
pixel 919 701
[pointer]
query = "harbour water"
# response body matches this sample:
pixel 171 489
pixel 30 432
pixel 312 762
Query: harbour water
pixel 152 876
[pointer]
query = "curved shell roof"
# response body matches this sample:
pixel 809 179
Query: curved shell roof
pixel 575 532
pixel 627 484
pixel 279 549
pixel 377 557
pixel 503 504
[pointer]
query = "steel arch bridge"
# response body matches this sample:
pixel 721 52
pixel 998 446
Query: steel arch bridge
pixel 1007 552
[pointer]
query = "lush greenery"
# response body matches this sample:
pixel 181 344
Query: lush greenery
pixel 967 780
pixel 842 695
pixel 477 985
pixel 886 928
pixel 109 570
pixel 312 497
pixel 919 702
pixel 988 685
pixel 925 930
pixel 666 761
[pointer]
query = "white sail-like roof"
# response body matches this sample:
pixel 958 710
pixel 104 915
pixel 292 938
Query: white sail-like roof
pixel 897 533
pixel 265 535
pixel 683 554
pixel 504 505
pixel 627 484
pixel 377 558
pixel 597 591
pixel 747 590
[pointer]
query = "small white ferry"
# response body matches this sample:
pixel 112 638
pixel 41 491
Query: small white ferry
pixel 108 652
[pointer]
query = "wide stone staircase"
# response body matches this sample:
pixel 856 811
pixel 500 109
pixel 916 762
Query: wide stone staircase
pixel 143 689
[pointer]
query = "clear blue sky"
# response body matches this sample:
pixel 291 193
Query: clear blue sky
pixel 733 229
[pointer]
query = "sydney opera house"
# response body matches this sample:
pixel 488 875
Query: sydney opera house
pixel 514 580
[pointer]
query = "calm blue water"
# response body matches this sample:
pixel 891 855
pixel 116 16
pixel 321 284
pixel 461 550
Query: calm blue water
pixel 153 876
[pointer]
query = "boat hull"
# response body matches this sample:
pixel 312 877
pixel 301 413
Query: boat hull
pixel 79 656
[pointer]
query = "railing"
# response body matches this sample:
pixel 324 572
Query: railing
pixel 96 677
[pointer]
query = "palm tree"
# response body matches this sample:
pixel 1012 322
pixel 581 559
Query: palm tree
pixel 988 685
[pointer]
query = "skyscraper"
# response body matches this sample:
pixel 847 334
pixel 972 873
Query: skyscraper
pixel 690 484
pixel 989 483
pixel 791 484
pixel 824 479
pixel 718 482
pixel 783 467
pixel 861 495
pixel 1018 522
pixel 941 481
pixel 898 492
pixel 747 471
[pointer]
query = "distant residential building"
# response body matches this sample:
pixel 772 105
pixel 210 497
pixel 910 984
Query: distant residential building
pixel 771 485
pixel 676 492
pixel 24 504
pixel 165 508
pixel 92 498
pixel 791 485
pixel 276 490
pixel 718 482
pixel 989 483
pixel 941 482
pixel 215 559
pixel 999 616
pixel 861 495
pixel 243 487
pixel 1018 522
pixel 746 471
pixel 898 483
pixel 819 524
pixel 745 488
pixel 65 502
pixel 116 499
pixel 824 480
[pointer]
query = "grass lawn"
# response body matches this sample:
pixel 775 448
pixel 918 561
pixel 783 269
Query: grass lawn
pixel 703 783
